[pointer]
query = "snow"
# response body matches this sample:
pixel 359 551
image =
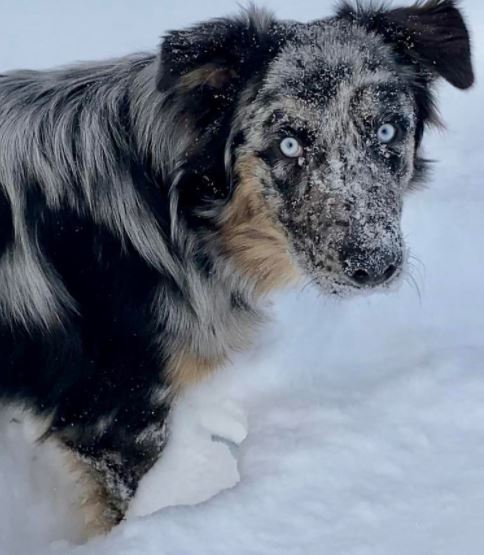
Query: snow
pixel 353 427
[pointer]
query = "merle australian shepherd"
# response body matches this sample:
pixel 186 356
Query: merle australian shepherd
pixel 149 203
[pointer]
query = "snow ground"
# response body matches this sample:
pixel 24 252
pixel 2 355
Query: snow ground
pixel 364 419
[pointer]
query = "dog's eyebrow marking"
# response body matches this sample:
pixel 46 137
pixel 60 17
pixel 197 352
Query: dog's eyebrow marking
pixel 281 122
pixel 282 119
pixel 324 82
pixel 277 116
pixel 375 96
pixel 388 91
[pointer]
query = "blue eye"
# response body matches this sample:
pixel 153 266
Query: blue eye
pixel 291 147
pixel 386 133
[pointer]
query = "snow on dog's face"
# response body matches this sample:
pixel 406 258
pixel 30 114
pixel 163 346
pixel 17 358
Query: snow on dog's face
pixel 332 134
pixel 324 134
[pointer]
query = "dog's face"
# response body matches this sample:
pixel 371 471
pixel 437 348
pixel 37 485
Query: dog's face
pixel 328 124
pixel 332 134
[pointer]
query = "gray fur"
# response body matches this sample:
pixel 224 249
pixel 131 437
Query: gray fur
pixel 40 113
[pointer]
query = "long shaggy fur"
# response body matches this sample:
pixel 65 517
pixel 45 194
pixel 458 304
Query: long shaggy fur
pixel 146 208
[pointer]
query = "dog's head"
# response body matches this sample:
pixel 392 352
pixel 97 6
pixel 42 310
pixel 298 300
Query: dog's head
pixel 319 126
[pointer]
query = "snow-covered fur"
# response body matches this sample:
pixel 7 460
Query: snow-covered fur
pixel 147 205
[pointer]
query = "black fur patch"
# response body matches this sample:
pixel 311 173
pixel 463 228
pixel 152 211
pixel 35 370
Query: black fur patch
pixel 6 224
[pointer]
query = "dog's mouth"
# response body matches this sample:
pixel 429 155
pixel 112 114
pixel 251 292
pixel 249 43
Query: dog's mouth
pixel 339 285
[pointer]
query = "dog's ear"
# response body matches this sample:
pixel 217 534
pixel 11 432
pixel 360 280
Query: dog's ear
pixel 430 34
pixel 217 55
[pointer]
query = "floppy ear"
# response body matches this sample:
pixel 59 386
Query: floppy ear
pixel 430 34
pixel 217 55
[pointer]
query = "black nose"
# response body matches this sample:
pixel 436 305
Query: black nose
pixel 366 277
pixel 371 267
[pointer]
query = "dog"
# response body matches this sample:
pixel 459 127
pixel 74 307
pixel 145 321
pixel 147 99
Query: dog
pixel 148 205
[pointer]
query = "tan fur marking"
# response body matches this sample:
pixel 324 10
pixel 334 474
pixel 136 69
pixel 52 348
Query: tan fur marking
pixel 251 235
pixel 252 238
pixel 208 75
pixel 89 497
pixel 187 369
pixel 92 502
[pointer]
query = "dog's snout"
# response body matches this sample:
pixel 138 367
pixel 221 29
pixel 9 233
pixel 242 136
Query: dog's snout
pixel 370 269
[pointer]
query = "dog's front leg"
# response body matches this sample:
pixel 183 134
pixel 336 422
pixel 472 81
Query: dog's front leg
pixel 108 459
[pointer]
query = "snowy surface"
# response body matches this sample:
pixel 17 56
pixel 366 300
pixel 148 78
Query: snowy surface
pixel 357 427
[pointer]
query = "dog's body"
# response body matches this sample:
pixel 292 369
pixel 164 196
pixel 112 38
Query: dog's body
pixel 149 203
